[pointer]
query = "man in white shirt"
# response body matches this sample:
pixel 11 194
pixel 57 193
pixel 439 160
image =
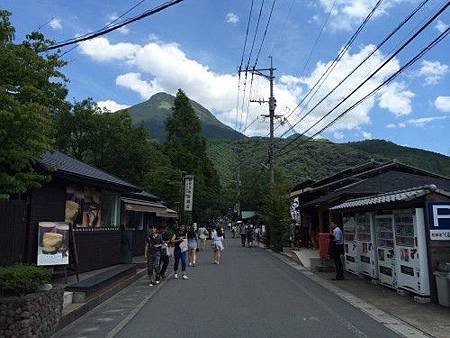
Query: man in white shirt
pixel 338 239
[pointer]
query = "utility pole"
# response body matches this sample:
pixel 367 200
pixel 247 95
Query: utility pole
pixel 272 105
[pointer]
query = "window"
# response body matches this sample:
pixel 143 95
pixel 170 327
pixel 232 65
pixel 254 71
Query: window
pixel 110 209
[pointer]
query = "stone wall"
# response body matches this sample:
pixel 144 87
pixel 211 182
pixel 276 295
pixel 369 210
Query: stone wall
pixel 33 315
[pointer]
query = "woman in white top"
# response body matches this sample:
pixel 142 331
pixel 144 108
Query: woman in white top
pixel 217 239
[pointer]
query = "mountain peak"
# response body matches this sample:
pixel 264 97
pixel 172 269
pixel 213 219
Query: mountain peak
pixel 154 113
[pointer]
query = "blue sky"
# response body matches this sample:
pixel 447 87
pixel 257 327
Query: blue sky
pixel 197 46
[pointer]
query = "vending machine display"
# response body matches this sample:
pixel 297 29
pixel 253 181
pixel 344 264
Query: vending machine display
pixel 411 251
pixel 385 250
pixel 350 248
pixel 365 245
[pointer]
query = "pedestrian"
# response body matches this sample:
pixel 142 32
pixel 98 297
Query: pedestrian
pixel 203 236
pixel 218 247
pixel 167 238
pixel 336 250
pixel 250 235
pixel 192 246
pixel 242 232
pixel 179 252
pixel 153 254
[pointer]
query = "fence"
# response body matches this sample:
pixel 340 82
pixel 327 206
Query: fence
pixel 12 231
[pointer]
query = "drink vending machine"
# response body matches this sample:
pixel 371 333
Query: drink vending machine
pixel 350 248
pixel 365 244
pixel 411 251
pixel 385 250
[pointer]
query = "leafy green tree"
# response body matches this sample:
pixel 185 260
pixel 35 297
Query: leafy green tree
pixel 186 148
pixel 32 90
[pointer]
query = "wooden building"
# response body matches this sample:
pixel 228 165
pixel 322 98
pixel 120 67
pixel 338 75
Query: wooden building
pixel 96 203
pixel 315 198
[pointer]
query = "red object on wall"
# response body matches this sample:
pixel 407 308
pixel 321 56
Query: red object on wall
pixel 324 239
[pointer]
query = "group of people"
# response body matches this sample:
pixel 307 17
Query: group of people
pixel 248 233
pixel 162 243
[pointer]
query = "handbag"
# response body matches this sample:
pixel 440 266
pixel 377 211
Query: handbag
pixel 184 245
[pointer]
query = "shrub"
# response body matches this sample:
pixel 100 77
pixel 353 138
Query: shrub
pixel 22 279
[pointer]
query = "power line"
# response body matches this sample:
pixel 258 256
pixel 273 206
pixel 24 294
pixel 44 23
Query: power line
pixel 318 37
pixel 404 45
pixel 387 38
pixel 336 60
pixel 417 57
pixel 117 26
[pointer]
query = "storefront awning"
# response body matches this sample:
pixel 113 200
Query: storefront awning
pixel 143 206
pixel 168 213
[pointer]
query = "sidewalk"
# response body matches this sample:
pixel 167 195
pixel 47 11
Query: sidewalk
pixel 432 319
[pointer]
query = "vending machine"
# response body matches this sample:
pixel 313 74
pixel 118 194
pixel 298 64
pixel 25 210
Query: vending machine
pixel 350 248
pixel 411 251
pixel 385 250
pixel 365 244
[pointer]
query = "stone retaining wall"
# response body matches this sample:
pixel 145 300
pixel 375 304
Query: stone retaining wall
pixel 33 315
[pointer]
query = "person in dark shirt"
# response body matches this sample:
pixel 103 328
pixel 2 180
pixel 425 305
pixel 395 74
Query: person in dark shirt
pixel 167 237
pixel 180 251
pixel 153 254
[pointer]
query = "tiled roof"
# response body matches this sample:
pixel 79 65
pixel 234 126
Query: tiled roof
pixel 391 197
pixel 65 164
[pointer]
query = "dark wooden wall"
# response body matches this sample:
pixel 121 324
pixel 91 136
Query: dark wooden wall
pixel 97 249
pixel 12 231
pixel 47 204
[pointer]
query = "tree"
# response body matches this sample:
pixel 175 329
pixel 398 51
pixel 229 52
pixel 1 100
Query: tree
pixel 186 148
pixel 32 89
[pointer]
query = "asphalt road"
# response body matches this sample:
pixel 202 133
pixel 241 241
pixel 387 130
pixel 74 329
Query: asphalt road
pixel 250 294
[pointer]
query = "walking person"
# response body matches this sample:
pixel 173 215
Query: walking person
pixel 243 233
pixel 192 245
pixel 250 236
pixel 336 250
pixel 218 247
pixel 153 254
pixel 179 252
pixel 167 238
pixel 203 236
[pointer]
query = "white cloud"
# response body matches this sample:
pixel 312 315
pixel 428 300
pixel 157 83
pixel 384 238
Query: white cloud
pixel 100 49
pixel 366 135
pixel 231 18
pixel 396 99
pixel 441 26
pixel 111 105
pixel 442 103
pixel 348 13
pixel 123 30
pixel 419 122
pixel 159 66
pixel 432 71
pixel 338 135
pixel 55 23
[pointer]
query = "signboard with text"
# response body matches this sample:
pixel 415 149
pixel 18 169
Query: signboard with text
pixel 53 243
pixel 439 220
pixel 188 192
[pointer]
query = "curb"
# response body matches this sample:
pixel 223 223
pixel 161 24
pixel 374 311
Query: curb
pixel 115 331
pixel 391 322
pixel 92 303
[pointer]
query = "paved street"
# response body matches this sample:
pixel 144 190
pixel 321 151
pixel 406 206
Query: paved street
pixel 250 294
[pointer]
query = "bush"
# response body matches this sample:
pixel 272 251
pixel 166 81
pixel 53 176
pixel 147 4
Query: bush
pixel 22 279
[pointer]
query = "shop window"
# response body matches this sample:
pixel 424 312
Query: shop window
pixel 134 220
pixel 110 209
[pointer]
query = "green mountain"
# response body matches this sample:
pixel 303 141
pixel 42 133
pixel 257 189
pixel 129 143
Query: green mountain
pixel 154 112
pixel 317 159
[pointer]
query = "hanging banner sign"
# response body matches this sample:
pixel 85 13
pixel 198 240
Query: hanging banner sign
pixel 439 221
pixel 188 192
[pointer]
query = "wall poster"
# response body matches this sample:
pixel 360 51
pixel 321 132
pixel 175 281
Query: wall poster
pixel 83 206
pixel 53 243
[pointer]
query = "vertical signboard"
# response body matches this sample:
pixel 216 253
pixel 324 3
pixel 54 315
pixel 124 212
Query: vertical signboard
pixel 188 192
pixel 439 220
